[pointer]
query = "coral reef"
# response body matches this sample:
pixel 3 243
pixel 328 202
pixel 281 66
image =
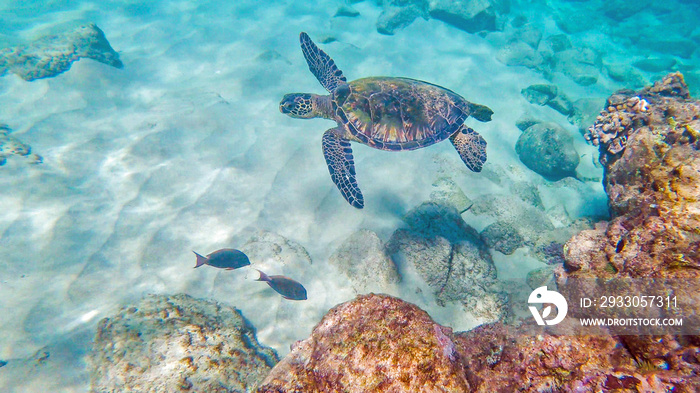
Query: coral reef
pixel 548 149
pixel 375 343
pixel 363 258
pixel 178 344
pixel 10 145
pixel 51 55
pixel 451 257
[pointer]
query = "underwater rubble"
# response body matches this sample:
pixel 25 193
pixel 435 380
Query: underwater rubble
pixel 51 55
pixel 178 344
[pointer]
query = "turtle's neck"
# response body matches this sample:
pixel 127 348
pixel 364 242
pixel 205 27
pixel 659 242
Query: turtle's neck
pixel 323 107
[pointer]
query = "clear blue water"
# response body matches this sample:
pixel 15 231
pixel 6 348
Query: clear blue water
pixel 185 149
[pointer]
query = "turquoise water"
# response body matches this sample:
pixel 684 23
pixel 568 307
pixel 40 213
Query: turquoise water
pixel 184 148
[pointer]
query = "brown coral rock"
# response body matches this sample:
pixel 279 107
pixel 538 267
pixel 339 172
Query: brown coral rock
pixel 375 343
pixel 653 185
pixel 500 359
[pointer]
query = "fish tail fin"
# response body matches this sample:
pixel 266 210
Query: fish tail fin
pixel 263 276
pixel 200 260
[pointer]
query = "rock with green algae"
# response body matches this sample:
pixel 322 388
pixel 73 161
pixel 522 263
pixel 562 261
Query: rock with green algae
pixel 177 344
pixel 374 343
pixel 53 54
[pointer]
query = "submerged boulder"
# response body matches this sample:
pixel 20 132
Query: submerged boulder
pixel 177 344
pixel 471 16
pixel 375 343
pixel 451 257
pixel 548 149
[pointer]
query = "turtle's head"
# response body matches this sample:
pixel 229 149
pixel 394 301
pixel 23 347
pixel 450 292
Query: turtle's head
pixel 299 105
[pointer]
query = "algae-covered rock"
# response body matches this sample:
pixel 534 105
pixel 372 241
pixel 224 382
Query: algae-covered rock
pixel 548 149
pixel 375 343
pixel 540 94
pixel 51 55
pixel 502 237
pixel 652 184
pixel 178 344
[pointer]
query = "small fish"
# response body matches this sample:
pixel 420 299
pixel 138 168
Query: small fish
pixel 285 286
pixel 226 258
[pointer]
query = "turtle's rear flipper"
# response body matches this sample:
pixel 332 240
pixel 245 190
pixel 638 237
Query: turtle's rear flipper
pixel 338 155
pixel 470 146
pixel 321 65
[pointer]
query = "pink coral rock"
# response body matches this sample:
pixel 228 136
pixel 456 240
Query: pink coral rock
pixel 375 343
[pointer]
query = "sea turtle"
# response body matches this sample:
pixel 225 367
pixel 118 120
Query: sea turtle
pixel 385 113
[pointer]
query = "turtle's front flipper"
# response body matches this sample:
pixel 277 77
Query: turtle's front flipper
pixel 470 146
pixel 338 155
pixel 321 65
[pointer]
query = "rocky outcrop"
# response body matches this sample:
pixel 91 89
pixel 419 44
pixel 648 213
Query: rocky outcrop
pixel 51 55
pixel 501 359
pixel 652 179
pixel 375 343
pixel 651 156
pixel 178 344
